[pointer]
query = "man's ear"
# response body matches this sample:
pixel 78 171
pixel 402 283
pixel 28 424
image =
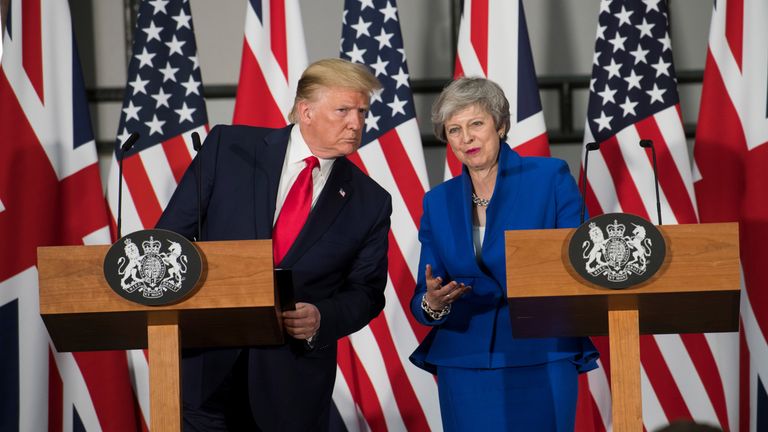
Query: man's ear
pixel 304 109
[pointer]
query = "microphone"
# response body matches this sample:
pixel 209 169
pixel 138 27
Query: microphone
pixel 590 146
pixel 123 150
pixel 646 143
pixel 197 146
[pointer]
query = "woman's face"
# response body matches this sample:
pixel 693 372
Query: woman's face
pixel 473 137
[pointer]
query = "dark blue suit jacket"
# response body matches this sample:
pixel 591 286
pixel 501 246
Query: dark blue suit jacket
pixel 530 193
pixel 339 263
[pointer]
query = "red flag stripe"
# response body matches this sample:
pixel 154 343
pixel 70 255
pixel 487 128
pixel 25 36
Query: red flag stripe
pixel 55 397
pixel 137 182
pixel 255 105
pixel 744 385
pixel 661 379
pixel 670 180
pixel 403 172
pixel 360 385
pixel 453 163
pixel 405 397
pixel 32 51
pixel 704 362
pixel 177 154
pixel 277 34
pixel 627 193
pixel 479 32
pixel 403 282
pixel 734 29
pixel 538 146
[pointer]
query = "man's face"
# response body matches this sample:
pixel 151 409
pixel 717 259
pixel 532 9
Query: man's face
pixel 332 123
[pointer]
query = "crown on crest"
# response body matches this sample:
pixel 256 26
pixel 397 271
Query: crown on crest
pixel 151 246
pixel 615 229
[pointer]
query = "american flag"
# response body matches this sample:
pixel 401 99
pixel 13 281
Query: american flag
pixel 377 388
pixel 50 194
pixel 493 43
pixel 731 157
pixel 633 96
pixel 164 103
pixel 274 56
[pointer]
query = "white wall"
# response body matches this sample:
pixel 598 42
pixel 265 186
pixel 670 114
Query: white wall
pixel 561 31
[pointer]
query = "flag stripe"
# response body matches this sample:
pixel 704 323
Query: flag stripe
pixel 360 385
pixel 277 33
pixel 403 172
pixel 479 32
pixel 627 194
pixel 664 386
pixel 734 28
pixel 403 282
pixel 704 362
pixel 32 51
pixel 142 193
pixel 177 156
pixel 55 398
pixel 266 112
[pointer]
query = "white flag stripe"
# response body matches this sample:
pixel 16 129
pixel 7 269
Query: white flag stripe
pixel 674 135
pixel 470 64
pixel 604 190
pixel 653 414
pixel 368 350
pixel 725 351
pixel 130 216
pixel 405 341
pixel 601 393
pixel 503 68
pixel 686 377
pixel 755 74
pixel 410 137
pixel 350 414
pixel 158 170
pixel 297 52
pixel 259 41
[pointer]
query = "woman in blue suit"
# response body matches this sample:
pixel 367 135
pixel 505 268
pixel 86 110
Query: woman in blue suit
pixel 487 379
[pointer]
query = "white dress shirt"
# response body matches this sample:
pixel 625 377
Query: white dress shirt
pixel 297 151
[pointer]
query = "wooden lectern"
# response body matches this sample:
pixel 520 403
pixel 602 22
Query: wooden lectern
pixel 695 291
pixel 234 304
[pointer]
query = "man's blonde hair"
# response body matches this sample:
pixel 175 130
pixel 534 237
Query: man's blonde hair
pixel 329 73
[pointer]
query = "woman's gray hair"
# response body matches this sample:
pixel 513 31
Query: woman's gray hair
pixel 465 92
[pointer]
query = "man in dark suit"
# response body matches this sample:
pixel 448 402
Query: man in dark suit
pixel 329 223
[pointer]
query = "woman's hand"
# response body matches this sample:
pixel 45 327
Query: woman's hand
pixel 438 295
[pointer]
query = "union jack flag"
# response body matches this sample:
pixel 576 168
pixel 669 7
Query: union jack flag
pixel 274 57
pixel 164 103
pixel 377 388
pixel 731 173
pixel 493 43
pixel 50 194
pixel 633 96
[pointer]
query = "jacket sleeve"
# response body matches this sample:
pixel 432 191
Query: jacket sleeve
pixel 428 256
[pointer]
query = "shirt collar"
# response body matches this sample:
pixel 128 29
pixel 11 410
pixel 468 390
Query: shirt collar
pixel 298 150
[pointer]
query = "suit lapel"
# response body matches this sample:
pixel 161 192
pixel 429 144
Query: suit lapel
pixel 270 164
pixel 336 193
pixel 503 203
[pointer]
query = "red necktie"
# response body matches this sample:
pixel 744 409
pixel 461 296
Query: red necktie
pixel 294 212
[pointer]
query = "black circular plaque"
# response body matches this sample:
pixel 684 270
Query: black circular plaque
pixel 153 267
pixel 617 250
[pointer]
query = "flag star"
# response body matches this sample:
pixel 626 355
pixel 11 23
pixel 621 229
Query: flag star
pixel 174 46
pixel 153 31
pixel 169 73
pixel 138 85
pixel 639 54
pixel 380 67
pixel 344 17
pixel 376 96
pixel 161 98
pixel 356 55
pixel 401 78
pixel 361 27
pixel 366 3
pixel 629 107
pixel 651 5
pixel 596 58
pixel 607 95
pixel 666 44
pixel 371 122
pixel 384 38
pixel 155 125
pixel 601 31
pixel 613 69
pixel 617 42
pixel 397 106
pixel 633 80
pixel 123 136
pixel 604 121
pixel 402 53
pixel 389 12
pixel 662 67
pixel 656 94
pixel 195 62
pixel 159 5
pixel 605 6
pixel 131 111
pixel 592 84
pixel 182 20
pixel 192 86
pixel 623 16
pixel 185 113
pixel 145 58
pixel 645 28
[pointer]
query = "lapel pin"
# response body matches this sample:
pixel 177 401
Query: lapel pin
pixel 342 192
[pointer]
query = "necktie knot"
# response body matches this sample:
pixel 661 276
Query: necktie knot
pixel 312 162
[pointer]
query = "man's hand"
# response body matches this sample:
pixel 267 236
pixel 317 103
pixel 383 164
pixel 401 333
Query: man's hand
pixel 303 322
